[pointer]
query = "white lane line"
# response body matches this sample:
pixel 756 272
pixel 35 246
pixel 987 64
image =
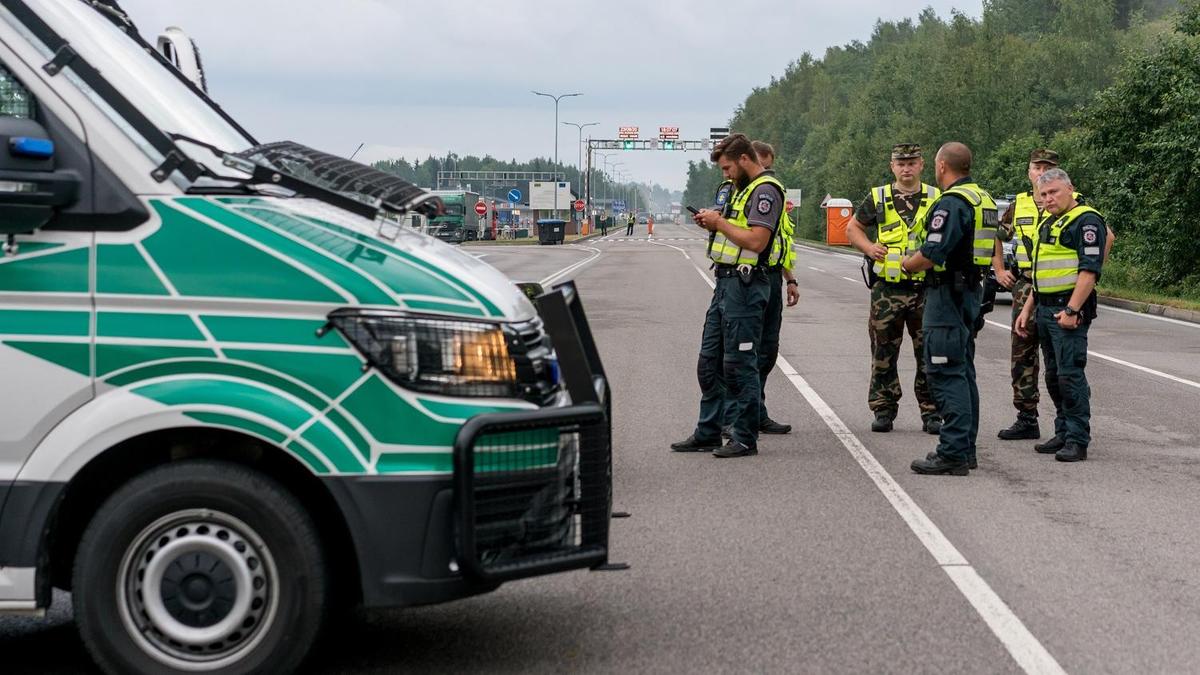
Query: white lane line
pixel 1120 362
pixel 1021 644
pixel 853 281
pixel 571 268
pixel 815 269
pixel 685 255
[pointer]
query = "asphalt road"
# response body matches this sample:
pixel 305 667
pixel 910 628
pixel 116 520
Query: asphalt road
pixel 824 553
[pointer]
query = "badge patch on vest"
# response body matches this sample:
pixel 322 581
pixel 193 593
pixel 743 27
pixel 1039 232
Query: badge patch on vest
pixel 1025 221
pixel 939 220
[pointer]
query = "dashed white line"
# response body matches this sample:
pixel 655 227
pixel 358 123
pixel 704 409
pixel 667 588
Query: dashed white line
pixel 855 281
pixel 1021 644
pixel 816 269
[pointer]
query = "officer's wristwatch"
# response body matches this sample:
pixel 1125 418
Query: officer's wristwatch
pixel 793 282
pixel 1071 311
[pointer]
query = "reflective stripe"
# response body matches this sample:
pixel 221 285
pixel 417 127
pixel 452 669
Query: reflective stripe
pixel 897 235
pixel 1055 266
pixel 1061 264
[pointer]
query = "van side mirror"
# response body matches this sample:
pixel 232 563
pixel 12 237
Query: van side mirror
pixel 181 51
pixel 31 188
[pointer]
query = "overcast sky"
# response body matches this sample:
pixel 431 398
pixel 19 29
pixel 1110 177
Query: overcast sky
pixel 413 78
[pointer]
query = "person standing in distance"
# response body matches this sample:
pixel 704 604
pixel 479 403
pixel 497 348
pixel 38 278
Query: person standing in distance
pixel 779 272
pixel 739 248
pixel 884 228
pixel 629 226
pixel 1066 266
pixel 955 246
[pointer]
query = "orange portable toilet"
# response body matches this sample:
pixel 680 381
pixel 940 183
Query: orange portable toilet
pixel 837 215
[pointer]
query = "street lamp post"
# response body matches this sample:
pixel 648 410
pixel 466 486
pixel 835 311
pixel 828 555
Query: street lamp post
pixel 604 158
pixel 556 100
pixel 579 147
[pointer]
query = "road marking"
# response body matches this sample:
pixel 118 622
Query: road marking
pixel 1144 315
pixel 1120 362
pixel 685 255
pixel 571 268
pixel 1021 644
pixel 816 269
pixel 853 281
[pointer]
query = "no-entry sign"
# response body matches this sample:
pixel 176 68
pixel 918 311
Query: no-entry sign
pixel 481 208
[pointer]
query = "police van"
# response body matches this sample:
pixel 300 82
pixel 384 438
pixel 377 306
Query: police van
pixel 229 405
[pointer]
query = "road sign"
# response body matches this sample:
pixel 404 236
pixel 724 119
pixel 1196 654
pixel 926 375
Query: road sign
pixel 619 204
pixel 671 133
pixel 793 197
pixel 579 205
pixel 481 208
pixel 514 195
pixel 627 132
pixel 790 205
pixel 718 133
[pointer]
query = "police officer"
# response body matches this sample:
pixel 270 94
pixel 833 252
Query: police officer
pixel 1021 221
pixel 957 242
pixel 1066 266
pixel 890 214
pixel 739 246
pixel 780 264
pixel 629 226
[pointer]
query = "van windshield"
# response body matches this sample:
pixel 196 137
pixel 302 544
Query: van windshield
pixel 155 91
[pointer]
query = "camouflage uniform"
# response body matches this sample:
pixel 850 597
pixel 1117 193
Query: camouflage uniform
pixel 893 309
pixel 1024 355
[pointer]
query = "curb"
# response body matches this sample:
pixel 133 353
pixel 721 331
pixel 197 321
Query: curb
pixel 1151 308
pixel 1120 303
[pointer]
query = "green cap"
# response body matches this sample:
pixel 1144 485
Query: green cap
pixel 906 151
pixel 1044 156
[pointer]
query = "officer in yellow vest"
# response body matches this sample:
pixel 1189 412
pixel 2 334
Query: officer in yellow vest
pixel 1066 266
pixel 956 245
pixel 1021 222
pixel 739 246
pixel 883 228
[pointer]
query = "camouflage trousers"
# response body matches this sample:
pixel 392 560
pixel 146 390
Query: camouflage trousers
pixel 893 309
pixel 1024 355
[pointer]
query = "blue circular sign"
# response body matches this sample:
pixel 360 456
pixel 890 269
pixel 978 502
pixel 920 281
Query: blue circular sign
pixel 514 195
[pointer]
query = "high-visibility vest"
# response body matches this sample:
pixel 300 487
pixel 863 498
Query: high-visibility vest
pixel 723 251
pixel 1027 218
pixel 900 237
pixel 782 253
pixel 987 221
pixel 1056 267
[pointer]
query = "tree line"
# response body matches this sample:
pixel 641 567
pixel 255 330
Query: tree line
pixel 1112 85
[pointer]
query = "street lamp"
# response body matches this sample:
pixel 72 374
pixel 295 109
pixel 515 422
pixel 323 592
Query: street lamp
pixel 579 161
pixel 556 100
pixel 604 159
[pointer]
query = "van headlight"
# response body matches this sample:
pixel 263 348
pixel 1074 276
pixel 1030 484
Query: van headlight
pixel 436 355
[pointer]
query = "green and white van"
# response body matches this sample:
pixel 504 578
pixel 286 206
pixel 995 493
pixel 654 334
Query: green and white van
pixel 234 399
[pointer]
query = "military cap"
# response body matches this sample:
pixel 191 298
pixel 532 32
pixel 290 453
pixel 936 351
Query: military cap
pixel 906 151
pixel 1044 156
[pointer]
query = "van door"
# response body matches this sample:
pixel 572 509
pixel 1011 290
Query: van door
pixel 47 316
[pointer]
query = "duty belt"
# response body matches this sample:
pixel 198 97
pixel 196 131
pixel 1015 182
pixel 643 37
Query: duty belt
pixel 724 271
pixel 949 278
pixel 1052 299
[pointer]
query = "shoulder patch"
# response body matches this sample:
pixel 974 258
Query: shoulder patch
pixel 939 220
pixel 1089 236
pixel 764 205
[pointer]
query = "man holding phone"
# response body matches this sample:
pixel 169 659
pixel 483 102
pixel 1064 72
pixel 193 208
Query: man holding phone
pixel 739 247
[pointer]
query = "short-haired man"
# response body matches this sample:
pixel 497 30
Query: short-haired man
pixel 1066 266
pixel 739 246
pixel 1021 221
pixel 955 247
pixel 884 228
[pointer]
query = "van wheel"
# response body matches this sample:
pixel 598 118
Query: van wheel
pixel 199 566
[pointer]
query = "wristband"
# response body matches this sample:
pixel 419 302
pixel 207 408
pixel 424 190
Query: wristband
pixel 793 282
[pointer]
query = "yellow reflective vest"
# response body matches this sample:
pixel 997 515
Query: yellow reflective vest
pixel 1027 218
pixel 987 221
pixel 900 237
pixel 723 251
pixel 1056 267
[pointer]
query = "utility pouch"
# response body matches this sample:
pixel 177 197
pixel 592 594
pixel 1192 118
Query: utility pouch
pixel 868 273
pixel 1090 309
pixel 745 273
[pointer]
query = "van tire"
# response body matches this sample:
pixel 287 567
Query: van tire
pixel 219 526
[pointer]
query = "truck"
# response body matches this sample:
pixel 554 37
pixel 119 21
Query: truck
pixel 233 408
pixel 458 222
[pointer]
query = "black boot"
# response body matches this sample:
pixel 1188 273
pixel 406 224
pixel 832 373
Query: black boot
pixel 940 466
pixel 972 462
pixel 1071 452
pixel 1025 428
pixel 932 425
pixel 883 422
pixel 770 426
pixel 1051 446
pixel 735 449
pixel 693 444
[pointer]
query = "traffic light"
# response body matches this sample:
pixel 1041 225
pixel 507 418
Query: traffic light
pixel 627 145
pixel 668 145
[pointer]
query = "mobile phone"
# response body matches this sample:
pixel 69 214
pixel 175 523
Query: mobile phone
pixel 693 210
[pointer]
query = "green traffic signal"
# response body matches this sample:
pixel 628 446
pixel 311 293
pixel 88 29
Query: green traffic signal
pixel 628 145
pixel 668 145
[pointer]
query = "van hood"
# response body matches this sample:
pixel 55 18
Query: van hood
pixel 367 262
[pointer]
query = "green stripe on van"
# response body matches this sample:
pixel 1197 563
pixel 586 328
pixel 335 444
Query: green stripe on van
pixel 295 332
pixel 150 326
pixel 39 322
pixel 122 269
pixel 77 357
pixel 65 272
